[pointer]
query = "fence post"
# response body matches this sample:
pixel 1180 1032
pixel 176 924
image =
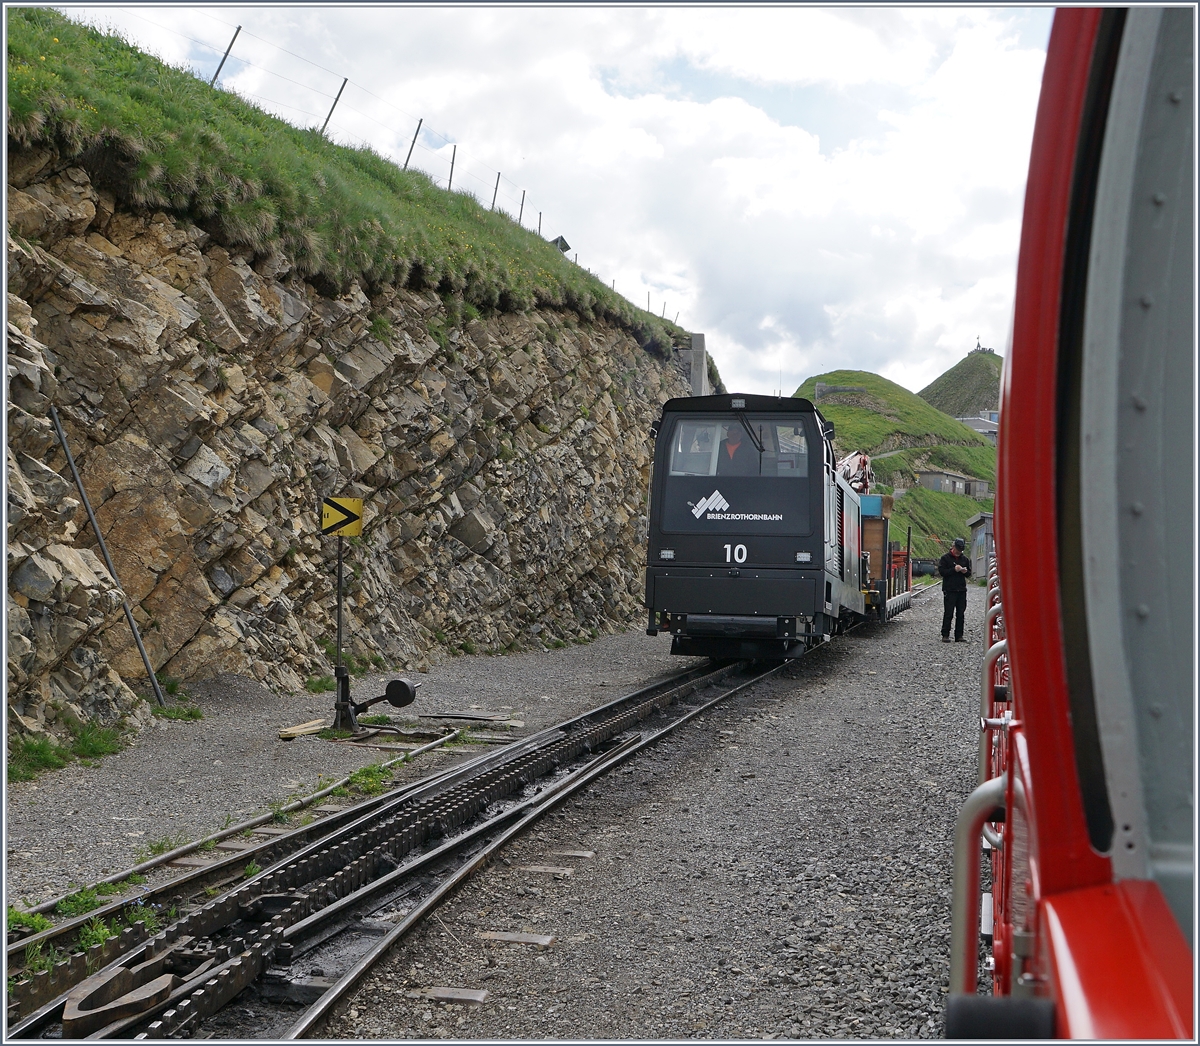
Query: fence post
pixel 453 156
pixel 648 302
pixel 539 223
pixel 522 211
pixel 224 56
pixel 495 191
pixel 414 142
pixel 335 102
pixel 664 312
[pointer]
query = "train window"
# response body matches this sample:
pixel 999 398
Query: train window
pixel 721 446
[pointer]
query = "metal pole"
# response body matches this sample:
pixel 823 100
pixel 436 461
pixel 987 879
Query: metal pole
pixel 647 301
pixel 539 223
pixel 335 102
pixel 521 214
pixel 414 142
pixel 343 711
pixel 224 56
pixel 339 603
pixel 137 636
pixel 664 312
pixel 676 320
pixel 495 191
pixel 453 155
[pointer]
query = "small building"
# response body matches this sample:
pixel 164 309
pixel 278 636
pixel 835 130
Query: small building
pixel 983 543
pixel 947 482
pixel 986 424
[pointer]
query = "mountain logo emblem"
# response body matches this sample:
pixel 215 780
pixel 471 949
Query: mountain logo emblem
pixel 715 502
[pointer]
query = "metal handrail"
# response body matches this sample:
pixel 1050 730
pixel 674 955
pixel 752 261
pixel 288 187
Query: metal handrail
pixel 964 915
pixel 993 612
pixel 985 703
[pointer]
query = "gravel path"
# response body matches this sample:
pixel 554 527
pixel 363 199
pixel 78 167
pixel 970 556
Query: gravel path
pixel 781 871
pixel 183 780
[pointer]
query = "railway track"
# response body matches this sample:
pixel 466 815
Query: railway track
pixel 337 894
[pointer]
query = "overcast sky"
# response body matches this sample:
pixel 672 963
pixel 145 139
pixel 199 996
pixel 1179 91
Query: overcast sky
pixel 813 189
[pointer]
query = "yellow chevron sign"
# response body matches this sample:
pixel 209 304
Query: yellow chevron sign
pixel 342 516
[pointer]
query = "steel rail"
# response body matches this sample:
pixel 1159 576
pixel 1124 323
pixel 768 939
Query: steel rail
pixel 344 823
pixel 216 837
pixel 65 929
pixel 541 805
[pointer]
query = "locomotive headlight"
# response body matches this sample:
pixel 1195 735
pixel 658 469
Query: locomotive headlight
pixel 666 553
pixel 803 557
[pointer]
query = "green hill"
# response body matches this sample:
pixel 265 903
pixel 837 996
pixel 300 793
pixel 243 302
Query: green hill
pixel 160 138
pixel 905 436
pixel 873 414
pixel 972 385
pixel 936 519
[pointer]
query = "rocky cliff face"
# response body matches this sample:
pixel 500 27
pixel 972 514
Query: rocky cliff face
pixel 212 399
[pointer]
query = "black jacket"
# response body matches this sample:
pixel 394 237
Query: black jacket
pixel 952 580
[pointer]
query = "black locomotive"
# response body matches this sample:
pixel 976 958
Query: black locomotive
pixel 756 542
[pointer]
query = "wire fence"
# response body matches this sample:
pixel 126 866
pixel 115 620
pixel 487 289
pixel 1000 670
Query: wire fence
pixel 406 140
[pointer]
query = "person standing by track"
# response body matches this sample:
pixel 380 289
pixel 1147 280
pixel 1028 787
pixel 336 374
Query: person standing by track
pixel 955 568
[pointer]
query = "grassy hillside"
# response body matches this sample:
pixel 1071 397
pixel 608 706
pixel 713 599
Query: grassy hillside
pixel 160 138
pixel 936 519
pixel 884 416
pixel 901 469
pixel 970 386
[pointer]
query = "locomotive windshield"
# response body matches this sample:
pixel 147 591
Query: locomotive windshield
pixel 723 447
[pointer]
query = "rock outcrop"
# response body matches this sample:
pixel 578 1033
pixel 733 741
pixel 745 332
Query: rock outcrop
pixel 212 399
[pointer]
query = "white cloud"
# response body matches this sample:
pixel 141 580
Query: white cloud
pixel 813 188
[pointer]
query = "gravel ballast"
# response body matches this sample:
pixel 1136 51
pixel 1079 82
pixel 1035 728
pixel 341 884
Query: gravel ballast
pixel 779 868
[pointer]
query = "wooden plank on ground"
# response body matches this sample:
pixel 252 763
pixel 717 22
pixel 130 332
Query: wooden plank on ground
pixel 467 996
pixel 289 733
pixel 541 940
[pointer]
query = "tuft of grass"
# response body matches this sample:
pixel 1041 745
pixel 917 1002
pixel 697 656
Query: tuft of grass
pixel 466 646
pixel 320 684
pixel 329 734
pixel 374 720
pixel 369 780
pixel 171 142
pixel 184 712
pixel 134 879
pixel 30 756
pixel 253 868
pixel 90 740
pixel 157 847
pixel 140 913
pixel 95 931
pixel 35 922
pixel 380 328
pixel 557 644
pixel 37 959
pixel 79 903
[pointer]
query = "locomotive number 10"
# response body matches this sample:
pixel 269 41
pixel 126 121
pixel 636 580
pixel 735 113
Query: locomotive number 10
pixel 738 553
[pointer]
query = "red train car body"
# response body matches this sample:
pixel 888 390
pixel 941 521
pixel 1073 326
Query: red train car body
pixel 1086 797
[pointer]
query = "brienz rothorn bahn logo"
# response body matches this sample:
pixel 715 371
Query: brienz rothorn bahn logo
pixel 715 501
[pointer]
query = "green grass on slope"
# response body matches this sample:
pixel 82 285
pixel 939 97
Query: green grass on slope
pixel 883 417
pixel 901 469
pixel 936 519
pixel 160 138
pixel 970 386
